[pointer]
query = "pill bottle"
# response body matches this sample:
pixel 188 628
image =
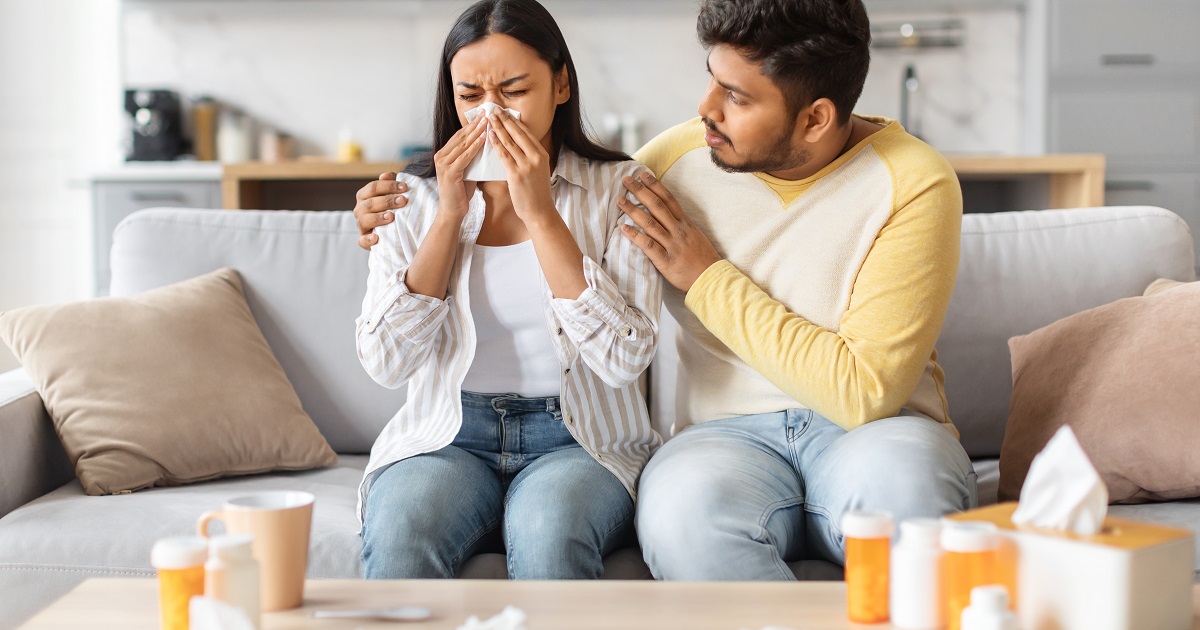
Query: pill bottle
pixel 916 586
pixel 868 545
pixel 989 610
pixel 231 574
pixel 970 560
pixel 179 563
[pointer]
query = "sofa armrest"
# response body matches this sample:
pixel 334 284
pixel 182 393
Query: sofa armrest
pixel 32 459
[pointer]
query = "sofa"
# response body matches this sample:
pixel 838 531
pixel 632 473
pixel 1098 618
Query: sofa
pixel 304 281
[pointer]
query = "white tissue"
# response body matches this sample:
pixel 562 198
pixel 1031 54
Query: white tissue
pixel 1063 491
pixel 206 613
pixel 511 618
pixel 487 165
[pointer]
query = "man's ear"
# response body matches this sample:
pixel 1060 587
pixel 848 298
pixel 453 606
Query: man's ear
pixel 817 120
pixel 562 87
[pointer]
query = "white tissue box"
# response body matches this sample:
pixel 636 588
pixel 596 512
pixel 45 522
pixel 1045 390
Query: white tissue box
pixel 1131 575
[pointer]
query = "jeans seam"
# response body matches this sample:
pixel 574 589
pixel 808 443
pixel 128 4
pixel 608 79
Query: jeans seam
pixel 459 557
pixel 767 539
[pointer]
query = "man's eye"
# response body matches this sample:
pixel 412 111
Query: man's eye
pixel 734 99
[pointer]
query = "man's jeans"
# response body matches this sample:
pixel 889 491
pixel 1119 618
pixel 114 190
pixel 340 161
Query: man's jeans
pixel 737 499
pixel 513 468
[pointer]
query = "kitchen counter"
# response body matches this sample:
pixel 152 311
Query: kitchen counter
pixel 180 171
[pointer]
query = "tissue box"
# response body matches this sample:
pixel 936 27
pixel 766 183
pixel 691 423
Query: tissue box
pixel 1130 575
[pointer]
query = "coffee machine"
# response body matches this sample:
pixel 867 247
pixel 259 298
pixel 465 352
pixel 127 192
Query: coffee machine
pixel 156 125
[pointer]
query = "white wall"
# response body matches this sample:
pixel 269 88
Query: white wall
pixel 59 118
pixel 311 68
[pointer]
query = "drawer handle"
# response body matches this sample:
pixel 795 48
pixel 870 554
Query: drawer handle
pixel 1127 60
pixel 1119 186
pixel 159 197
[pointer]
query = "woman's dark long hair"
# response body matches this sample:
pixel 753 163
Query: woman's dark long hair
pixel 530 23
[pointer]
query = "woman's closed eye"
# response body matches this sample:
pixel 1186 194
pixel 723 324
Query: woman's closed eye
pixel 514 93
pixel 468 97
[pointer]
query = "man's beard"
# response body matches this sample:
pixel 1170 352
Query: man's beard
pixel 780 156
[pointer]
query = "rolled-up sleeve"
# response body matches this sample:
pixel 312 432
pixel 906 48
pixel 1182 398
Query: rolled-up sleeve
pixel 397 330
pixel 614 322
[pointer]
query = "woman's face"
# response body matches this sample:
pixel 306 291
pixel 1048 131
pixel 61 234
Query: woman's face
pixel 500 69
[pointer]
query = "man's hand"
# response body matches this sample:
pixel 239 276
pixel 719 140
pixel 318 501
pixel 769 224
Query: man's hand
pixel 672 242
pixel 376 201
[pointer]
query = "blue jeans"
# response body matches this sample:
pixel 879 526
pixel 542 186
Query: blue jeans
pixel 738 499
pixel 513 469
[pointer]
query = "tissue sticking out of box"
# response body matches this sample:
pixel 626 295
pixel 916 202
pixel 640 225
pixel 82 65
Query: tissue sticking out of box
pixel 487 165
pixel 1063 491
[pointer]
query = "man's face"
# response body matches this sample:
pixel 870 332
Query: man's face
pixel 750 128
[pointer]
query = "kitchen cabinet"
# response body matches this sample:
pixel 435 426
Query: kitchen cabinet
pixel 114 199
pixel 1124 80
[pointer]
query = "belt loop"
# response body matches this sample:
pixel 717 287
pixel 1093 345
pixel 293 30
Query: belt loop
pixel 551 404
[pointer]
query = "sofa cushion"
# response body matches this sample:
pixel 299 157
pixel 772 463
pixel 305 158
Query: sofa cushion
pixel 1020 271
pixel 171 386
pixel 304 278
pixel 1123 376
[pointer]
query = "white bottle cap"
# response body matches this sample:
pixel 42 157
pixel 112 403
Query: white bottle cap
pixel 990 597
pixel 858 524
pixel 926 532
pixel 969 536
pixel 231 547
pixel 182 552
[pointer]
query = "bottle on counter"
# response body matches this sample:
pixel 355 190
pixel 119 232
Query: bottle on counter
pixel 179 563
pixel 348 148
pixel 204 129
pixel 868 544
pixel 231 574
pixel 916 585
pixel 233 137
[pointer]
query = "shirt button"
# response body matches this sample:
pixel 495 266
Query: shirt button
pixel 558 331
pixel 568 418
pixel 627 331
pixel 568 371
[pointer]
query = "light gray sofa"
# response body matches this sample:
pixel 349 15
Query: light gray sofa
pixel 304 279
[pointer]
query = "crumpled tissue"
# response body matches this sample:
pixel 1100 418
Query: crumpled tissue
pixel 487 165
pixel 511 618
pixel 1063 491
pixel 206 613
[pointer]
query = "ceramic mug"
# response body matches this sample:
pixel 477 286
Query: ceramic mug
pixel 280 523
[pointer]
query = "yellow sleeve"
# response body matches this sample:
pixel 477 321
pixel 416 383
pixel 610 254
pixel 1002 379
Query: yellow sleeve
pixel 662 152
pixel 869 368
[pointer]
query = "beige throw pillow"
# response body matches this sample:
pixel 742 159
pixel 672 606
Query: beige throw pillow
pixel 1126 377
pixel 171 386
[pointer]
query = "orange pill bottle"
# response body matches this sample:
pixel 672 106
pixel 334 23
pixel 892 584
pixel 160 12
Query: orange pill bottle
pixel 179 563
pixel 971 559
pixel 868 549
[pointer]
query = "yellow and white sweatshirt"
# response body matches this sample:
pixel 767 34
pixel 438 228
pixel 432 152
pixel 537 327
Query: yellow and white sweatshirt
pixel 833 289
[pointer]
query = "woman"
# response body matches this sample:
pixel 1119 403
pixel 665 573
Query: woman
pixel 518 316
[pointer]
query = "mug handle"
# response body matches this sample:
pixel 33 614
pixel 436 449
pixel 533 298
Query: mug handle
pixel 205 519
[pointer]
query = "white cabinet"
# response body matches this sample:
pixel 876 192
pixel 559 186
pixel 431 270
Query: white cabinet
pixel 112 201
pixel 1124 80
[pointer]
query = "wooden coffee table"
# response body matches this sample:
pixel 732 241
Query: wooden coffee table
pixel 132 604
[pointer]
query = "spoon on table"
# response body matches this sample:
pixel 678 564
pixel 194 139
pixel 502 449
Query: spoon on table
pixel 402 613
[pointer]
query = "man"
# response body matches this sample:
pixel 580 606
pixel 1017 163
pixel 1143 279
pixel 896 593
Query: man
pixel 811 255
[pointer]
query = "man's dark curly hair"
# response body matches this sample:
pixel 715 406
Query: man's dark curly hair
pixel 811 49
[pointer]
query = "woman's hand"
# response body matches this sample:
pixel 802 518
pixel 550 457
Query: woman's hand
pixel 451 163
pixel 528 167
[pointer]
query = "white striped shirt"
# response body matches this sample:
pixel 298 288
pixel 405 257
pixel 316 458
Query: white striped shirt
pixel 604 339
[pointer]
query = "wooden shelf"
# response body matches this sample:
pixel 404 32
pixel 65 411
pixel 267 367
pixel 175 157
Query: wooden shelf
pixel 298 185
pixel 1075 180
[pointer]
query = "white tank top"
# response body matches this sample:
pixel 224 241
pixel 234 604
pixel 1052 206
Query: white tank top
pixel 514 352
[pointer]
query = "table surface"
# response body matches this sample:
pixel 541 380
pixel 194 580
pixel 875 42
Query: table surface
pixel 133 604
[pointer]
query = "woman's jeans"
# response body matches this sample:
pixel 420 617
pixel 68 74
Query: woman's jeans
pixel 513 470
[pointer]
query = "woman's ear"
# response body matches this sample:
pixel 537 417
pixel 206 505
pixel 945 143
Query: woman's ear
pixel 562 87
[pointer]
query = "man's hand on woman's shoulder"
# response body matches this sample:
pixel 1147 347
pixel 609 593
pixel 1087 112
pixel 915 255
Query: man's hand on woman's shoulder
pixel 376 201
